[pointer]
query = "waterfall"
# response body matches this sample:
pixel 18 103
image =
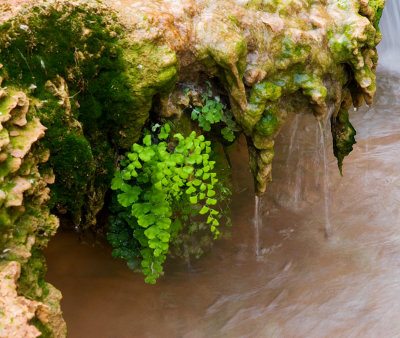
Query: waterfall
pixel 389 47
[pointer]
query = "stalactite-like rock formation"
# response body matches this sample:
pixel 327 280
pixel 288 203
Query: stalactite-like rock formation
pixel 271 58
pixel 80 79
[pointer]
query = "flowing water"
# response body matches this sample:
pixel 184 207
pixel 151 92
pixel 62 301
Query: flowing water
pixel 305 285
pixel 323 130
pixel 257 220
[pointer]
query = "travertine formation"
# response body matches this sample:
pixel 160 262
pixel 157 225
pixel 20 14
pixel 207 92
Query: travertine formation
pixel 84 77
pixel 16 310
pixel 270 57
pixel 25 221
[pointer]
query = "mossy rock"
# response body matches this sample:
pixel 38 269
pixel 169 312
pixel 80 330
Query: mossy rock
pixel 267 125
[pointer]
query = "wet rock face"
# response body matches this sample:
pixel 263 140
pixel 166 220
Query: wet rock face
pixel 25 221
pixel 17 311
pixel 94 79
pixel 270 56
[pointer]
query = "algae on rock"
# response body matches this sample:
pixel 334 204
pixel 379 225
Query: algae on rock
pixel 267 56
pixel 271 56
pixel 94 80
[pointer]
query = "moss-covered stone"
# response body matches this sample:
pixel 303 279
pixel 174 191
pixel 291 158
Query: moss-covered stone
pixel 16 311
pixel 342 132
pixel 25 221
pixel 267 125
pixel 93 82
pixel 300 47
pixel 113 66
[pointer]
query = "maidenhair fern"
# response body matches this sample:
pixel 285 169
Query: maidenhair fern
pixel 157 176
pixel 213 111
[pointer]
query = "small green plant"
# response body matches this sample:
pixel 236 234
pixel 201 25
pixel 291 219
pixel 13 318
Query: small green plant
pixel 213 111
pixel 193 237
pixel 120 234
pixel 159 185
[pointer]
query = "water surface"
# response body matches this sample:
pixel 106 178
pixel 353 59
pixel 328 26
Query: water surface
pixel 302 284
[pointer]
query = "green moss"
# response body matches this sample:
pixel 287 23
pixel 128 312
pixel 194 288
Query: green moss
pixel 263 92
pixel 150 69
pixel 267 125
pixel 5 223
pixel 260 95
pixel 311 86
pixel 377 6
pixel 44 329
pixel 378 17
pixel 72 160
pixel 31 283
pixel 291 52
pixel 340 43
pixel 343 136
pixel 111 79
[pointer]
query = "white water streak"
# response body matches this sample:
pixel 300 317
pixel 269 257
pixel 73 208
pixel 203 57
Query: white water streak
pixel 293 133
pixel 257 223
pixel 322 128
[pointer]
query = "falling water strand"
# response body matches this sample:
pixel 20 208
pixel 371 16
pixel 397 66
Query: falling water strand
pixel 298 182
pixel 326 178
pixel 257 225
pixel 293 133
pixel 294 149
pixel 367 138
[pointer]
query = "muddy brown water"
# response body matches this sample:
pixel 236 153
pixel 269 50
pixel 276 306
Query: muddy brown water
pixel 302 284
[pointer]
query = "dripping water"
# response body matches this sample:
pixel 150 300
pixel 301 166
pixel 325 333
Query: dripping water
pixel 368 115
pixel 298 184
pixel 322 128
pixel 293 133
pixel 257 223
pixel 294 150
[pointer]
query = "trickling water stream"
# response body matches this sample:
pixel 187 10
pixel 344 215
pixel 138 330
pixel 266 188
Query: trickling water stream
pixel 292 138
pixel 257 221
pixel 322 130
